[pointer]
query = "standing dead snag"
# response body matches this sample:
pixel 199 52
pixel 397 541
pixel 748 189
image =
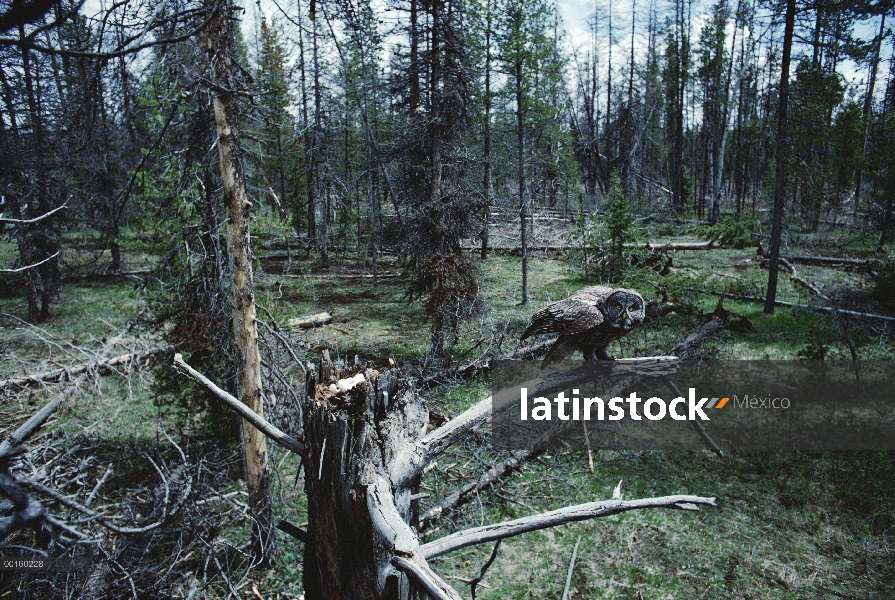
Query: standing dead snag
pixel 364 452
pixel 242 292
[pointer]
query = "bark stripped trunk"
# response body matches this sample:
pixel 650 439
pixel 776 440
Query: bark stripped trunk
pixel 242 295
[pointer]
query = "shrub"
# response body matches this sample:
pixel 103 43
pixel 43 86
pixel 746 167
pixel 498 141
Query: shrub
pixel 598 241
pixel 732 231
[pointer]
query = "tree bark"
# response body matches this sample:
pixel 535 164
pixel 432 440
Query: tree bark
pixel 486 178
pixel 242 293
pixel 868 107
pixel 520 173
pixel 319 207
pixel 782 156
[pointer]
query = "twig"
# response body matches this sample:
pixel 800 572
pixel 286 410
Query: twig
pixel 31 266
pixel 565 592
pixel 696 424
pixel 474 582
pixel 98 485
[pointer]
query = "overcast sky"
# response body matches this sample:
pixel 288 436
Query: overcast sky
pixel 575 15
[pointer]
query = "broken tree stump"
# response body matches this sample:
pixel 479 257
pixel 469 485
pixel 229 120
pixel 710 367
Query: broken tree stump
pixel 364 451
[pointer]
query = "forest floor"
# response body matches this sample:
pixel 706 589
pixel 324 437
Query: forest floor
pixel 788 525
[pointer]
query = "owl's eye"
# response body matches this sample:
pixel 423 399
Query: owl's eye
pixel 618 307
pixel 630 309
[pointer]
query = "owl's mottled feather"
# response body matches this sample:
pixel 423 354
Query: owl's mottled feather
pixel 588 321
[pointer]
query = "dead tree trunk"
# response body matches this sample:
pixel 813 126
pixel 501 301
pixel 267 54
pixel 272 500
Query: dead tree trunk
pixel 242 292
pixel 364 451
pixel 782 157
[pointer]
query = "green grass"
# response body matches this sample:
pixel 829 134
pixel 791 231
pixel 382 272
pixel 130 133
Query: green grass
pixel 788 525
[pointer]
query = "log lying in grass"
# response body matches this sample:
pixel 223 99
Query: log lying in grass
pixel 674 245
pixel 309 322
pixel 829 261
pixel 825 309
pixel 555 248
pixel 103 365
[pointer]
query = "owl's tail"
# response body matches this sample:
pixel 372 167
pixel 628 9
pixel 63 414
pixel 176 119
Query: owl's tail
pixel 558 351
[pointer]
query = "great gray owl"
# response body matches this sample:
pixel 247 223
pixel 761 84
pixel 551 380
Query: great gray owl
pixel 589 320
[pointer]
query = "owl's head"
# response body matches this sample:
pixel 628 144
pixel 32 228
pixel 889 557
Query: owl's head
pixel 624 309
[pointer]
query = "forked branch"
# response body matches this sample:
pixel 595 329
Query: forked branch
pixel 418 570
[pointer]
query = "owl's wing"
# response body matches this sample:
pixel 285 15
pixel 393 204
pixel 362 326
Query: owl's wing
pixel 566 317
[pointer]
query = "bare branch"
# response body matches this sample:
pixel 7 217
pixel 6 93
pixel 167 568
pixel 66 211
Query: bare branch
pixel 474 582
pixel 31 266
pixel 254 419
pixel 565 591
pixel 464 494
pixel 569 514
pixel 101 364
pixel 11 443
pixel 297 532
pixel 35 219
pixel 418 570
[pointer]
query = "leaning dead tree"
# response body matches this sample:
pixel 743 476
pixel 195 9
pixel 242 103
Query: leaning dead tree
pixel 364 448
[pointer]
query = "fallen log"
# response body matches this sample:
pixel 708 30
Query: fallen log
pixel 502 249
pixel 829 261
pixel 825 309
pixel 103 365
pixel 309 322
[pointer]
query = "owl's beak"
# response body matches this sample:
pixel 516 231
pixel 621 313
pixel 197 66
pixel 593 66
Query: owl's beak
pixel 628 323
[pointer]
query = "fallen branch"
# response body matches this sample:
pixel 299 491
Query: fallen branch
pixel 503 249
pixel 569 514
pixel 697 337
pixel 829 261
pixel 565 591
pixel 254 419
pixel 826 309
pixel 103 365
pixel 811 287
pixel 309 322
pixel 11 444
pixel 468 491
